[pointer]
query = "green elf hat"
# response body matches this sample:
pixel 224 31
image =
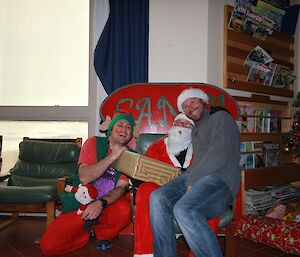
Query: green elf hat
pixel 121 115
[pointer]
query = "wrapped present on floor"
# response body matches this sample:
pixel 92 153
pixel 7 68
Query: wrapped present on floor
pixel 144 168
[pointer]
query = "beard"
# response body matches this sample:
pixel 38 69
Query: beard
pixel 178 139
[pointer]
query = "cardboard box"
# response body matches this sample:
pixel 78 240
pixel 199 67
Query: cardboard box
pixel 144 168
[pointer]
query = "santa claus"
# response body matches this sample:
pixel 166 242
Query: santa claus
pixel 176 149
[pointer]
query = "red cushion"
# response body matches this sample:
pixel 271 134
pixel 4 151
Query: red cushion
pixel 284 235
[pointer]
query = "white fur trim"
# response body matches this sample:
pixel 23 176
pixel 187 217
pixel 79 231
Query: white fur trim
pixel 174 160
pixel 188 93
pixel 143 255
pixel 184 117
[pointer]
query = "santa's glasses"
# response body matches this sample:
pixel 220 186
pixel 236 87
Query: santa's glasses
pixel 183 124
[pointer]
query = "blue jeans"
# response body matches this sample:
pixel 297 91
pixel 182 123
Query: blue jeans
pixel 208 198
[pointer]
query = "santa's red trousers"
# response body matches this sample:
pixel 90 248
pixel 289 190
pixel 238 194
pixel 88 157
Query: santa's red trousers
pixel 143 241
pixel 65 233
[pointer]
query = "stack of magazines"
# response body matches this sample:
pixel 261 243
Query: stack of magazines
pixel 259 201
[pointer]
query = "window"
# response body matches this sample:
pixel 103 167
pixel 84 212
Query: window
pixel 44 71
pixel 44 49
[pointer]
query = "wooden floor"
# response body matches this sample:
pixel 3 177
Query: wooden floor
pixel 18 240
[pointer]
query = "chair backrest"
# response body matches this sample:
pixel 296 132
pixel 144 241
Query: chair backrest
pixel 145 140
pixel 42 162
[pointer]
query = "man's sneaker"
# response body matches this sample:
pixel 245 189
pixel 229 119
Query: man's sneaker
pixel 103 245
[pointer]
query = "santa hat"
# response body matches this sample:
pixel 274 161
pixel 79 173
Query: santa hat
pixel 183 116
pixel 188 93
pixel 93 192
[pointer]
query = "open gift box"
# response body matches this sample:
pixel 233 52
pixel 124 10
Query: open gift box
pixel 144 168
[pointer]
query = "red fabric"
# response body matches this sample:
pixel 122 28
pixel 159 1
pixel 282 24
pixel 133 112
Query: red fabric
pixel 159 152
pixel 284 235
pixel 65 233
pixel 143 239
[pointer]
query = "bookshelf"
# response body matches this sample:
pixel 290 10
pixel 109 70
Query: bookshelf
pixel 236 48
pixel 285 161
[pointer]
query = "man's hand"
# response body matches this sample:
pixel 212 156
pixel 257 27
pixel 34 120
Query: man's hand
pixel 116 151
pixel 68 188
pixel 92 211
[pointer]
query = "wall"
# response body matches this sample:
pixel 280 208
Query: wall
pixel 178 40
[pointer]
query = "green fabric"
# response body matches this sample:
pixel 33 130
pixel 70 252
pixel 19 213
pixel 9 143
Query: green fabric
pixel 69 203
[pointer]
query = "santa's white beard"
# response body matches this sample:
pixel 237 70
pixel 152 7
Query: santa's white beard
pixel 178 139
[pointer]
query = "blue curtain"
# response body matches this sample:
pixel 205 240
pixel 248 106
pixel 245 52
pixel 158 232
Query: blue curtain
pixel 121 54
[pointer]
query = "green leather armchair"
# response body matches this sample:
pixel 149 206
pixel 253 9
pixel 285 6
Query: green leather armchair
pixel 38 175
pixel 225 225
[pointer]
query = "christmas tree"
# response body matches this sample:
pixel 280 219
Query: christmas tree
pixel 292 139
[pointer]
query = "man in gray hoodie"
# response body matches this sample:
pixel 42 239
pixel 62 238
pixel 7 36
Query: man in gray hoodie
pixel 206 189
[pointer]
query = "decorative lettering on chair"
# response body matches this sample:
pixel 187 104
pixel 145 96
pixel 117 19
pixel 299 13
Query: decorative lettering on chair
pixel 154 105
pixel 216 101
pixel 163 104
pixel 148 115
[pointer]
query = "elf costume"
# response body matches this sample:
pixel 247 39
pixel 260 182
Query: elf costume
pixel 66 233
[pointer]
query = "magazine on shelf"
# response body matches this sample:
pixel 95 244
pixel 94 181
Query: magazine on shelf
pixel 266 120
pixel 246 123
pixel 259 160
pixel 268 10
pixel 246 21
pixel 272 154
pixel 257 56
pixel 258 121
pixel 275 121
pixel 247 157
pixel 257 74
pixel 270 75
pixel 283 76
pixel 257 146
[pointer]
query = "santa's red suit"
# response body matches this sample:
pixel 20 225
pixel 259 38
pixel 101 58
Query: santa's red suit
pixel 143 241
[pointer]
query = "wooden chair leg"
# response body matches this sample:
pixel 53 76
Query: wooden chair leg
pixel 50 212
pixel 6 223
pixel 229 241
